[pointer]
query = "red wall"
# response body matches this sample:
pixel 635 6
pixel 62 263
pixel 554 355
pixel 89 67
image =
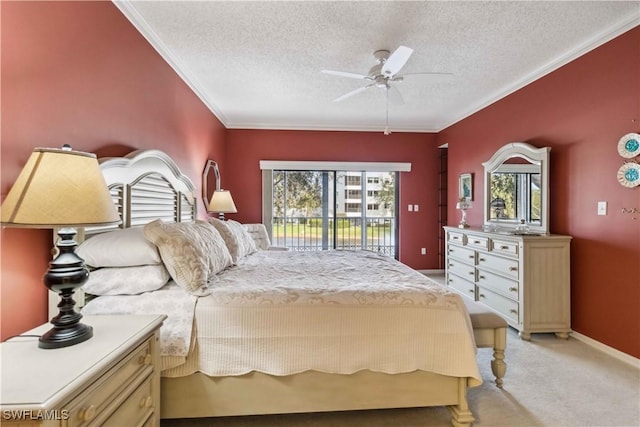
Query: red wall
pixel 580 111
pixel 242 176
pixel 80 73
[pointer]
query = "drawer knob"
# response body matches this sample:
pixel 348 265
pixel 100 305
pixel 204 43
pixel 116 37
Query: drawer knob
pixel 481 277
pixel 504 248
pixel 513 311
pixel 513 268
pixel 146 402
pixel 477 242
pixel 481 259
pixel 513 289
pixel 471 291
pixel 145 360
pixel 471 273
pixel 481 296
pixel 87 414
pixel 470 256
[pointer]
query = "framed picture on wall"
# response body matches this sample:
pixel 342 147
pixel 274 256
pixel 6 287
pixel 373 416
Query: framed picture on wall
pixel 465 186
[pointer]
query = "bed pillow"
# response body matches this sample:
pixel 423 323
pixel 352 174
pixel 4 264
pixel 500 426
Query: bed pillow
pixel 246 244
pixel 119 248
pixel 126 280
pixel 236 237
pixel 193 252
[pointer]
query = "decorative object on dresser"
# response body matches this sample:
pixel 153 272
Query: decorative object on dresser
pixel 516 183
pixel 221 200
pixel 61 188
pixel 463 204
pixel 113 380
pixel 524 278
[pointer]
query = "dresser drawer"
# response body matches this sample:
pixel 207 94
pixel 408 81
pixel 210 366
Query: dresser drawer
pixel 461 285
pixel 461 269
pixel 478 242
pixel 453 236
pixel 137 409
pixel 504 247
pixel 88 408
pixel 505 266
pixel 463 254
pixel 505 306
pixel 499 284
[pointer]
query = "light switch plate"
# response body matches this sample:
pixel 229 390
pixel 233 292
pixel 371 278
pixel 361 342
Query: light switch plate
pixel 602 208
pixel 415 208
pixel 410 208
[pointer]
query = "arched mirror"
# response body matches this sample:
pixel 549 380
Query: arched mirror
pixel 516 183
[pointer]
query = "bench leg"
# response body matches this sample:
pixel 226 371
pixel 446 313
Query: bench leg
pixel 498 365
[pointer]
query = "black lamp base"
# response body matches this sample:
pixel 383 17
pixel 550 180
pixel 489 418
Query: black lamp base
pixel 66 273
pixel 65 337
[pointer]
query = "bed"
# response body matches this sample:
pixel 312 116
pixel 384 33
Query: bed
pixel 266 336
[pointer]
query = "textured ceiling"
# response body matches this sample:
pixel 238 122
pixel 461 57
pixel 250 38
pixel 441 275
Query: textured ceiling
pixel 257 64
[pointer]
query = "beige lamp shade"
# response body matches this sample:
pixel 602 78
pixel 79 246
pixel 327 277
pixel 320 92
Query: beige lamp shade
pixel 59 188
pixel 222 202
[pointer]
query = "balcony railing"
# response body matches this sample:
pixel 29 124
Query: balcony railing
pixel 310 234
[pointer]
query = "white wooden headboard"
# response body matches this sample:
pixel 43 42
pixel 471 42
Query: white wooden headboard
pixel 145 185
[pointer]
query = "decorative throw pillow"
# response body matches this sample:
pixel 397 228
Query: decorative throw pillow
pixel 228 237
pixel 193 252
pixel 126 280
pixel 238 240
pixel 119 248
pixel 246 244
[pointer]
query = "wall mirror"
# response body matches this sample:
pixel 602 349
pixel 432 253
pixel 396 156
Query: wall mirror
pixel 516 185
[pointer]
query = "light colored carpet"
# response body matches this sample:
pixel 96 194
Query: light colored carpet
pixel 549 382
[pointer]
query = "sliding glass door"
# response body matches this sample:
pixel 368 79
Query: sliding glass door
pixel 320 210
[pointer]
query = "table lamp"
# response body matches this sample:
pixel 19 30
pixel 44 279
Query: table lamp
pixel 61 189
pixel 222 203
pixel 463 204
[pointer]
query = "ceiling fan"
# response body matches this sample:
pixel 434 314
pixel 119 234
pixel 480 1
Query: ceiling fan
pixel 382 75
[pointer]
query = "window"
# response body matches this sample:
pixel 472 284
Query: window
pixel 352 180
pixel 352 207
pixel 353 194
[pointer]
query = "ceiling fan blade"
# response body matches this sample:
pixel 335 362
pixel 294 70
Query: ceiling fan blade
pixel 394 95
pixel 353 92
pixel 345 74
pixel 396 61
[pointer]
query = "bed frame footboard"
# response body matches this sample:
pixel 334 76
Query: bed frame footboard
pixel 198 395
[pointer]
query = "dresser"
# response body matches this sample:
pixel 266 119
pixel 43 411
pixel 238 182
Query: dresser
pixel 113 379
pixel 524 278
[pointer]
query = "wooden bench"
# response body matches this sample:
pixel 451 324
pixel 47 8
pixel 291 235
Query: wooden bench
pixel 489 330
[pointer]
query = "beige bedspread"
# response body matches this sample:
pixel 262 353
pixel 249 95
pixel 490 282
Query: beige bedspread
pixel 339 312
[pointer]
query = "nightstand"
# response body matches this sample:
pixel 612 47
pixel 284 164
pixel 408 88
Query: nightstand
pixel 113 379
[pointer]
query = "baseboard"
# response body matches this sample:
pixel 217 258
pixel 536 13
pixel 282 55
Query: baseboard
pixel 623 357
pixel 435 272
